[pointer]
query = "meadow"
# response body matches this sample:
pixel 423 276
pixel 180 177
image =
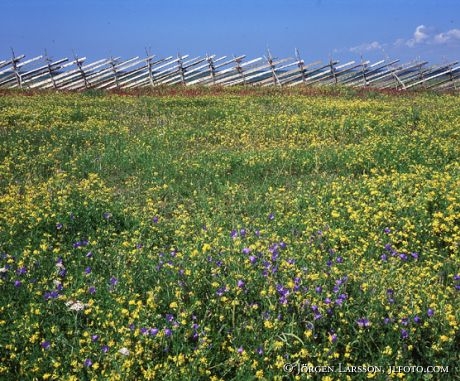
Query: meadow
pixel 244 235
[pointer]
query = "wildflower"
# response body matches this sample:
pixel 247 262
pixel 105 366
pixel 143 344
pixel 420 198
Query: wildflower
pixel 124 351
pixel 153 331
pixel 88 363
pixel 45 345
pixel 403 257
pixel 94 338
pixel 430 312
pixel 404 334
pixel 363 323
pixel 332 337
pixel 92 290
pixel 387 230
pixel 107 215
pixel 240 283
pixel 105 348
pixel 76 305
pixel 17 283
pixel 58 226
pixel 88 270
pixel 167 332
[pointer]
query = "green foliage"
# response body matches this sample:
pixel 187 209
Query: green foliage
pixel 222 237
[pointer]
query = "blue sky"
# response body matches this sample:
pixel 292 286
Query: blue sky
pixel 320 29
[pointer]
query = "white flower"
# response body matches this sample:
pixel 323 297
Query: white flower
pixel 124 351
pixel 76 305
pixel 3 270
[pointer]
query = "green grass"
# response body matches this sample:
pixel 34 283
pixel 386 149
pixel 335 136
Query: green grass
pixel 251 230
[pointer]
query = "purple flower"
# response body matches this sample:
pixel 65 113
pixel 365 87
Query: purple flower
pixel 271 216
pixel 45 344
pixel 21 271
pixel 240 284
pixel 252 259
pixel 417 319
pixel 333 337
pixel 88 362
pixel 89 254
pixel 113 281
pixel 155 220
pixel 50 295
pixel 384 257
pixel 246 250
pixel 457 277
pixel 387 230
pixel 240 350
pixel 153 331
pixel 92 290
pixel 88 270
pixel 105 348
pixel 430 312
pixel 17 283
pixel 94 338
pixel 414 255
pixel 363 323
pixel 220 291
pixel 242 232
pixel 318 289
pixel 107 215
pixel 404 321
pixel 317 316
pixel 260 351
pixel 404 334
pixel 233 233
pixel 403 257
pixel 58 226
pixel 167 332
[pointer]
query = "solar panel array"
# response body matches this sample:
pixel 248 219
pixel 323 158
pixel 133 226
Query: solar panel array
pixel 139 72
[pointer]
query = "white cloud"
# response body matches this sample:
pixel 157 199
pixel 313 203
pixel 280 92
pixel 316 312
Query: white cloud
pixel 421 35
pixel 444 38
pixel 367 47
pixel 425 35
